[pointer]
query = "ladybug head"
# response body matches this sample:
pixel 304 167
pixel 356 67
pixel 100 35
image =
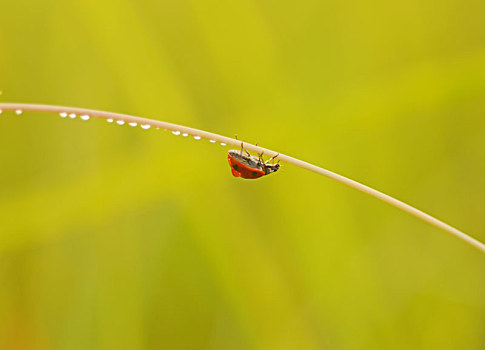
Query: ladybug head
pixel 271 168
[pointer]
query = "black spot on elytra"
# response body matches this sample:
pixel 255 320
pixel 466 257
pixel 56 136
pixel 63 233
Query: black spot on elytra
pixel 235 167
pixel 255 173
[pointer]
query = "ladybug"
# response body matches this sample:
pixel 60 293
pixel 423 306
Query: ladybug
pixel 248 166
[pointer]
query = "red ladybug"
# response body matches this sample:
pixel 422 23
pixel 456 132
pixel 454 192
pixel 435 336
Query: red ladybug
pixel 248 166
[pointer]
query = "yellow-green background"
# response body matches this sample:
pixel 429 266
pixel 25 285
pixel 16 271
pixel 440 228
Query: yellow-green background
pixel 117 238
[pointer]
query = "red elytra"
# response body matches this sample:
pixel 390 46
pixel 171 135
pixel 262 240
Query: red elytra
pixel 248 166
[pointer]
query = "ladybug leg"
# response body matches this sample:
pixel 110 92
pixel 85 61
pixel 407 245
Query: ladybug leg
pixel 241 144
pixel 262 163
pixel 272 158
pixel 242 148
pixel 261 160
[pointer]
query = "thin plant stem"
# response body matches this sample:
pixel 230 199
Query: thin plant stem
pixel 179 129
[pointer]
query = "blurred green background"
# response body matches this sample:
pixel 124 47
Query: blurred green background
pixel 117 238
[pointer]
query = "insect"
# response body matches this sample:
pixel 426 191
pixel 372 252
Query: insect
pixel 248 166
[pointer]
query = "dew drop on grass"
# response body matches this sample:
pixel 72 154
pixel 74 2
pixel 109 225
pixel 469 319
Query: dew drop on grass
pixel 120 122
pixel 18 112
pixel 85 117
pixel 176 133
pixel 132 124
pixel 63 114
pixel 72 115
pixel 223 144
pixel 212 141
pixel 185 134
pixel 145 126
pixel 196 137
pixel 109 120
pixel 0 111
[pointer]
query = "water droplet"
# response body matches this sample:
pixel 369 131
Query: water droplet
pixel 145 126
pixel 85 117
pixel 196 137
pixel 0 111
pixel 223 144
pixel 185 134
pixel 212 141
pixel 109 120
pixel 72 115
pixel 132 124
pixel 18 112
pixel 120 122
pixel 176 133
pixel 63 114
